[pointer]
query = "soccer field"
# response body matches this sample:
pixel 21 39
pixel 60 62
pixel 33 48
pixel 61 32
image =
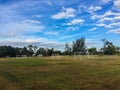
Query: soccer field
pixel 60 73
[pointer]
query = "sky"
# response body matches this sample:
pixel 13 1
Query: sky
pixel 52 23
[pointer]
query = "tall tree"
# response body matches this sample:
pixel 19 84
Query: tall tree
pixel 7 51
pixel 30 47
pixel 49 52
pixel 68 49
pixel 117 50
pixel 108 48
pixel 41 51
pixel 79 45
pixel 25 51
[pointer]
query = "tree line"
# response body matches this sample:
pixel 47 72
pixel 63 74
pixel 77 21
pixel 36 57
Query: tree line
pixel 78 45
pixel 30 50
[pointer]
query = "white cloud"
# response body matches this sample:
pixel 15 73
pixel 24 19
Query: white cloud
pixel 105 19
pixel 93 9
pixel 114 24
pixel 21 27
pixel 109 19
pixel 117 18
pixel 76 21
pixel 112 19
pixel 94 16
pixel 72 28
pixel 110 13
pixel 51 33
pixel 106 14
pixel 14 11
pixel 66 13
pixel 116 31
pixel 108 25
pixel 40 42
pixel 117 4
pixel 92 29
pixel 31 21
pixel 103 25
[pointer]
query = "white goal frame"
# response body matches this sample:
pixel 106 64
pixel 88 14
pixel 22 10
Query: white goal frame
pixel 80 53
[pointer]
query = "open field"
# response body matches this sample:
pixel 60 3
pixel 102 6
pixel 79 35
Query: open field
pixel 60 73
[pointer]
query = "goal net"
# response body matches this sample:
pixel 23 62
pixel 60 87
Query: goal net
pixel 83 55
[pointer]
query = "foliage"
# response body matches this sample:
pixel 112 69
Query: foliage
pixel 79 45
pixel 7 51
pixel 117 49
pixel 68 49
pixel 41 51
pixel 109 48
pixel 92 50
pixel 44 52
pixel 57 52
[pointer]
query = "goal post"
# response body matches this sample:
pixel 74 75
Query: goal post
pixel 82 54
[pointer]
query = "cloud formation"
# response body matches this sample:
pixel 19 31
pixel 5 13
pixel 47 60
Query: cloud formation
pixel 92 29
pixel 93 9
pixel 26 21
pixel 115 31
pixel 76 21
pixel 117 3
pixel 66 13
pixel 23 27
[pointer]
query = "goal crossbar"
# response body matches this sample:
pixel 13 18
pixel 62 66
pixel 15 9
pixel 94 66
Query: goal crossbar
pixel 82 53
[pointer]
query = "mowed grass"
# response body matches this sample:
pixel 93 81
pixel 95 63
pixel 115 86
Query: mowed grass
pixel 60 73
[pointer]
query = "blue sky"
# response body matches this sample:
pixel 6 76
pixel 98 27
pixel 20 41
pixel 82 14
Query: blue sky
pixel 52 23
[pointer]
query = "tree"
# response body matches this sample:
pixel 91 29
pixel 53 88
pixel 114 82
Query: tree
pixel 41 51
pixel 25 51
pixel 18 51
pixel 108 48
pixel 10 51
pixel 117 49
pixel 49 52
pixel 57 52
pixel 79 45
pixel 7 51
pixel 92 50
pixel 3 51
pixel 30 47
pixel 68 49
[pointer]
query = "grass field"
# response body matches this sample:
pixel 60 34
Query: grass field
pixel 60 73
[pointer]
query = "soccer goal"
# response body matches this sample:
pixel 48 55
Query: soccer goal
pixel 83 54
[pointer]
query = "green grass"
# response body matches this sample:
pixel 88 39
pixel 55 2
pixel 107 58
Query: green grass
pixel 60 73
